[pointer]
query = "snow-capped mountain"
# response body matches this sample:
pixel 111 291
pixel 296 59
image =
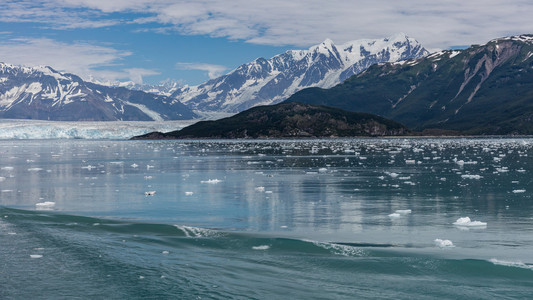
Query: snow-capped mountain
pixel 46 94
pixel 269 81
pixel 166 88
pixel 484 89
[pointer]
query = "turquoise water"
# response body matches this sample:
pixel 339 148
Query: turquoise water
pixel 316 219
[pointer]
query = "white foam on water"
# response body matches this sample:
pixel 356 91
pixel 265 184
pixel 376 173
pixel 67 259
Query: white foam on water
pixel 262 247
pixel 516 264
pixel 2 179
pixel 196 231
pixel 260 188
pixel 211 181
pixel 36 256
pixel 403 211
pixel 466 222
pixel 35 169
pixel 337 249
pixel 519 191
pixel 7 168
pixel 394 215
pixel 443 243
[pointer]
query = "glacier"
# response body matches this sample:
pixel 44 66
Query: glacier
pixel 37 129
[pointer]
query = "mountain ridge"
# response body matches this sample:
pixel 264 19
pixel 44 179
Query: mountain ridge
pixel 484 89
pixel 270 81
pixel 45 94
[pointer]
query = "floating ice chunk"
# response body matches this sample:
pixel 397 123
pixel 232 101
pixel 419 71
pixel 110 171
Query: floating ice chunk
pixel 45 205
pixel 465 221
pixel 260 188
pixel 89 167
pixel 262 247
pixel 150 193
pixel 393 175
pixel 36 255
pixel 211 181
pixel 35 169
pixel 410 161
pixel 519 191
pixel 443 243
pixel 268 192
pixel 188 193
pixel 6 191
pixel 468 176
pixel 403 211
pixel 322 170
pixel 7 168
pixel 165 252
pixel 134 165
pixel 394 215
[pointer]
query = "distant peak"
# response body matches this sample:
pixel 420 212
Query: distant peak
pixel 327 42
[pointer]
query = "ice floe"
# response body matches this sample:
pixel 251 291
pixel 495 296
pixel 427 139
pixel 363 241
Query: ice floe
pixel 466 222
pixel 211 181
pixel 262 247
pixel 47 205
pixel 443 243
pixel 149 193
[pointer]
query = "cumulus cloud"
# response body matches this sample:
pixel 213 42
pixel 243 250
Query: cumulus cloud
pixel 83 59
pixel 213 71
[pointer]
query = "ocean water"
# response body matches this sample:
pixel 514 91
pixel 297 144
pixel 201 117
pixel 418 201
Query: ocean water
pixel 276 219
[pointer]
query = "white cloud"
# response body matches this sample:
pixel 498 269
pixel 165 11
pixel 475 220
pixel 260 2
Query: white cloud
pixel 437 24
pixel 213 71
pixel 83 59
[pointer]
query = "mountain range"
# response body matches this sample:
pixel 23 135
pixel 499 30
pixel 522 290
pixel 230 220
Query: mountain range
pixel 484 89
pixel 270 81
pixel 45 94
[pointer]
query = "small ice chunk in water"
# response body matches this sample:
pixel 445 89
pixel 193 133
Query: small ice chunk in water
pixel 36 255
pixel 188 193
pixel 165 252
pixel 211 181
pixel 262 247
pixel 45 205
pixel 260 188
pixel 322 170
pixel 443 243
pixel 150 193
pixel 465 221
pixel 403 211
pixel 519 191
pixel 394 215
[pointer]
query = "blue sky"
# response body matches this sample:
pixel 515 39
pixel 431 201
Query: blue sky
pixel 189 41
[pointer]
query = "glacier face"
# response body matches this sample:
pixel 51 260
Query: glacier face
pixel 36 129
pixel 264 82
pixel 42 93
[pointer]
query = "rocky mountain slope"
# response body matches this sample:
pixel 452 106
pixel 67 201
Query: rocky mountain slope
pixel 485 89
pixel 270 81
pixel 288 120
pixel 45 94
